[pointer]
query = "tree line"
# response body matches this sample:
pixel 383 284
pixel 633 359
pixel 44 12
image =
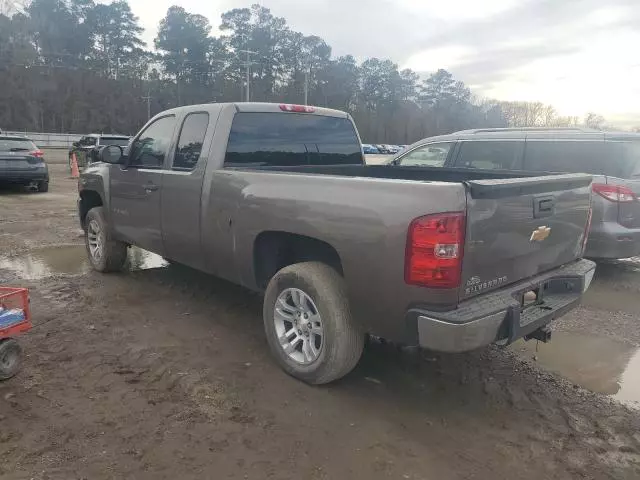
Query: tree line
pixel 79 66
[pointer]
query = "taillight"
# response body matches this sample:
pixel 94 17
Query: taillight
pixel 614 193
pixel 286 107
pixel 37 153
pixel 434 250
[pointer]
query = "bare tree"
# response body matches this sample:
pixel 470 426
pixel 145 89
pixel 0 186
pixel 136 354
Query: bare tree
pixel 593 120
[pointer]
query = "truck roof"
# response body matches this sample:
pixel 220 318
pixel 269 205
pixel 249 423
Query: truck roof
pixel 259 107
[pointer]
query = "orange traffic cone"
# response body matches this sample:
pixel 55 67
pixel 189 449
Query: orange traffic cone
pixel 75 172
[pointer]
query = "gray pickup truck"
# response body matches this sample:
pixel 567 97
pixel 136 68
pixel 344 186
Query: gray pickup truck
pixel 278 198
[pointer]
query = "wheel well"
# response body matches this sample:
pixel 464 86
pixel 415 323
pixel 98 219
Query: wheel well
pixel 88 199
pixel 273 251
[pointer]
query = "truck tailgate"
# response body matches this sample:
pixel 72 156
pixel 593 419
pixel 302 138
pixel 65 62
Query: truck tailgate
pixel 521 227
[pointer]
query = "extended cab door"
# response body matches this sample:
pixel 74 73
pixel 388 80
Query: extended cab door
pixel 136 185
pixel 181 204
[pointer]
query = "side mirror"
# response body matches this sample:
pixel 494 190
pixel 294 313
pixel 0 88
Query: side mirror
pixel 111 154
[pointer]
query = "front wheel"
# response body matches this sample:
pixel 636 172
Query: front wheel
pixel 308 323
pixel 105 253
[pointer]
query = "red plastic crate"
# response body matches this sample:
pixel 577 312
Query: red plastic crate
pixel 11 297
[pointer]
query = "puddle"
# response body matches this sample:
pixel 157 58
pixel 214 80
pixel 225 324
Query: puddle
pixel 599 364
pixel 69 260
pixel 45 262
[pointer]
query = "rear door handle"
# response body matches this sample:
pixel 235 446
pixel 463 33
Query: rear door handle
pixel 150 187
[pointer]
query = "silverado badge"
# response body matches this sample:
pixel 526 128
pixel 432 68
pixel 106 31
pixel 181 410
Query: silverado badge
pixel 540 234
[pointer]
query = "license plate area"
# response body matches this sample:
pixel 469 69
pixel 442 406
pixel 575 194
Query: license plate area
pixel 533 297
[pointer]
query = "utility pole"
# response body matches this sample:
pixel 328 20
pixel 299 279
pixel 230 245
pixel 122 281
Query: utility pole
pixel 148 99
pixel 247 65
pixel 307 75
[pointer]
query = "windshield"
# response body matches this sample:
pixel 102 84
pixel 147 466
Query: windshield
pixel 121 141
pixel 8 144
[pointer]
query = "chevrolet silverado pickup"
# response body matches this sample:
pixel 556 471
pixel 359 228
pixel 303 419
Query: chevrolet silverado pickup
pixel 279 199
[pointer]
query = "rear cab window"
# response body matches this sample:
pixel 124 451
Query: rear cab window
pixel 261 139
pixel 8 144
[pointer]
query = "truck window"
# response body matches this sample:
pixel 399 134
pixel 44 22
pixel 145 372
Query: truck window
pixel 490 155
pixel 595 157
pixel 288 139
pixel 190 141
pixel 152 145
pixel 432 155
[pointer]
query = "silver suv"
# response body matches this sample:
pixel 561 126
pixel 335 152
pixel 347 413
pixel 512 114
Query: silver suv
pixel 612 158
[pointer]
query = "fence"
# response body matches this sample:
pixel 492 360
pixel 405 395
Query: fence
pixel 48 140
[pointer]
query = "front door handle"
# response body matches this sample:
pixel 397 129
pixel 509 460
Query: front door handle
pixel 150 187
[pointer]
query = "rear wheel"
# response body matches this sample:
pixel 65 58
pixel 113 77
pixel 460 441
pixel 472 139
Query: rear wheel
pixel 105 253
pixel 308 323
pixel 43 186
pixel 10 358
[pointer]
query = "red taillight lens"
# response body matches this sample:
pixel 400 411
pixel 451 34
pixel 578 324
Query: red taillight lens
pixel 614 193
pixel 286 107
pixel 434 250
pixel 37 153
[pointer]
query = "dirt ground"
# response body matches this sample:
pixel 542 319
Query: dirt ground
pixel 165 373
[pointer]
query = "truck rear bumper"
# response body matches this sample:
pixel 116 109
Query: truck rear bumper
pixel 502 316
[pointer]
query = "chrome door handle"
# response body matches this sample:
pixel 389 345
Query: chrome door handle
pixel 150 187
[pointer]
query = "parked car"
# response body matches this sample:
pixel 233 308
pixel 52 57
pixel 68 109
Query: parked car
pixel 383 149
pixel 369 149
pixel 22 163
pixel 277 198
pixel 612 158
pixel 86 149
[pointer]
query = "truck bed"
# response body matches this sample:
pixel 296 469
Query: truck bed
pixel 477 181
pixel 431 174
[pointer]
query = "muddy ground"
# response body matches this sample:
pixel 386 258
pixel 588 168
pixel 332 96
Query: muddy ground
pixel 164 373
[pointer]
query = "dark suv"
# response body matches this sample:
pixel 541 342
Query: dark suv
pixel 86 149
pixel 22 163
pixel 613 158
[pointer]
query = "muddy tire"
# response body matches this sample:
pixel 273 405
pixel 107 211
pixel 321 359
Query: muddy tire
pixel 308 323
pixel 10 358
pixel 105 254
pixel 43 186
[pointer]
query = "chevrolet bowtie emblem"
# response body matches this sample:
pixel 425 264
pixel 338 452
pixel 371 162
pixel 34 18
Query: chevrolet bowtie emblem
pixel 540 234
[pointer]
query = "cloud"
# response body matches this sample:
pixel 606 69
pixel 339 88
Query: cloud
pixel 576 54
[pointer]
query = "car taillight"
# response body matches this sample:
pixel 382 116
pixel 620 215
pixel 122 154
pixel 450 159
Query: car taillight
pixel 614 193
pixel 286 107
pixel 586 231
pixel 37 153
pixel 434 250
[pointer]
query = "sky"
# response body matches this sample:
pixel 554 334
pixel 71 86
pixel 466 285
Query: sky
pixel 577 55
